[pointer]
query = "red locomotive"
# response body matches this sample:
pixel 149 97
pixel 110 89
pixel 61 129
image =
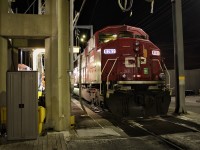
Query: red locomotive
pixel 122 69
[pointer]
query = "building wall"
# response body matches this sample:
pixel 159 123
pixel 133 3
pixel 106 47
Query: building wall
pixel 192 80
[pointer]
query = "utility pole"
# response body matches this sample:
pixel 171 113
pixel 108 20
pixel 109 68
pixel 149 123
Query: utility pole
pixel 178 56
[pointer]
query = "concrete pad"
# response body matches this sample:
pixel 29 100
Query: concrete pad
pixel 198 101
pixel 190 140
pixel 66 135
pixel 97 132
pixel 135 143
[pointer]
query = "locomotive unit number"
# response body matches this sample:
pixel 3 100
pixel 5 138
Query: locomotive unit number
pixel 109 51
pixel 155 53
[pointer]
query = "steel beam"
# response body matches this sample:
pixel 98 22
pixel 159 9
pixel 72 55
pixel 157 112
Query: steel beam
pixel 178 56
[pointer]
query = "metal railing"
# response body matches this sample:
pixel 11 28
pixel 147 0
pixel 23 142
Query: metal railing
pixel 115 60
pixel 41 8
pixel 163 71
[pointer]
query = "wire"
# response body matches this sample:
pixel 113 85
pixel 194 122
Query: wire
pixel 78 14
pixel 150 20
pixel 124 8
pixel 30 7
pixel 94 8
pixel 82 6
pixel 163 13
pixel 152 6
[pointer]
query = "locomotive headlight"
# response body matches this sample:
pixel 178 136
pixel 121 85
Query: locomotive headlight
pixel 137 48
pixel 124 75
pixel 162 76
pixel 137 43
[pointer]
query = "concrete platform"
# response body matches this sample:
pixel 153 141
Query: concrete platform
pixel 52 141
pixel 94 132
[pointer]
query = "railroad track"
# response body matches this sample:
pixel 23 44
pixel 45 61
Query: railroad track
pixel 154 126
pixel 168 142
pixel 177 125
pixel 186 124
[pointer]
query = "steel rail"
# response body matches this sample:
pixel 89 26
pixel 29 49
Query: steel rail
pixel 173 145
pixel 180 124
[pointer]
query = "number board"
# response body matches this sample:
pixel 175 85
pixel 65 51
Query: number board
pixel 109 51
pixel 155 53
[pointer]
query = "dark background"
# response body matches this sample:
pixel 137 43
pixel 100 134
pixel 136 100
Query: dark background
pixel 101 13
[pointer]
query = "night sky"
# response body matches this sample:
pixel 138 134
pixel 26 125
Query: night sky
pixel 101 13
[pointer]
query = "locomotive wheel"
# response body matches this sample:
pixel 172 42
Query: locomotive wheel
pixel 138 104
pixel 118 103
pixel 156 102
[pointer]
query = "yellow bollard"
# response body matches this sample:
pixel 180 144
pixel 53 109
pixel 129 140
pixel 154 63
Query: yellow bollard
pixel 72 121
pixel 41 117
pixel 3 115
pixel 39 94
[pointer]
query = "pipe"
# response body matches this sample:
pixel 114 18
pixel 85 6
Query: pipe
pixel 71 34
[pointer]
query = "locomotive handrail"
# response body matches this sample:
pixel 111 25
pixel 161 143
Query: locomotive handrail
pixel 106 64
pixel 163 70
pixel 159 63
pixel 168 75
pixel 110 70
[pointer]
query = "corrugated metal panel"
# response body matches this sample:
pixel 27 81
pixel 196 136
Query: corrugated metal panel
pixel 192 81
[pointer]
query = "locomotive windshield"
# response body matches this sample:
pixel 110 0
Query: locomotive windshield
pixel 106 37
pixel 140 37
pixel 125 34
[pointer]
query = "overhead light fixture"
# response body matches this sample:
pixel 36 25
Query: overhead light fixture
pixel 152 4
pixel 84 36
pixel 82 40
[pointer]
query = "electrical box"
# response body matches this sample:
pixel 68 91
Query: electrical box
pixel 22 105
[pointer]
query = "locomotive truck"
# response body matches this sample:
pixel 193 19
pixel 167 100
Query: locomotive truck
pixel 122 70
